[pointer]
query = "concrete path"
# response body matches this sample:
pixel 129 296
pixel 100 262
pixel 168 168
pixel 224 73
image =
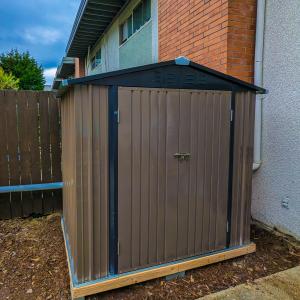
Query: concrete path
pixel 284 285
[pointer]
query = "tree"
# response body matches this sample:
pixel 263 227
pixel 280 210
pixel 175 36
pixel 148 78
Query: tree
pixel 25 68
pixel 8 81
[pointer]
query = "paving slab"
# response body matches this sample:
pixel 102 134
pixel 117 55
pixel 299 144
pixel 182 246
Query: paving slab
pixel 284 285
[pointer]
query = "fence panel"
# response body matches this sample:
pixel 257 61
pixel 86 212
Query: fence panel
pixel 30 151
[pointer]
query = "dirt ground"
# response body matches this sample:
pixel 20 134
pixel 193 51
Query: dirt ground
pixel 33 265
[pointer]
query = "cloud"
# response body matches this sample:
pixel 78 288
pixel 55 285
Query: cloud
pixel 42 35
pixel 49 75
pixel 37 26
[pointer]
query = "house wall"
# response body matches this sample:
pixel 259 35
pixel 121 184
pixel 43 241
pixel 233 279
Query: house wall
pixel 139 49
pixel 218 34
pixel 278 179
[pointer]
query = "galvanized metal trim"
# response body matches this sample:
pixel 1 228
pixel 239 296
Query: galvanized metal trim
pixel 31 187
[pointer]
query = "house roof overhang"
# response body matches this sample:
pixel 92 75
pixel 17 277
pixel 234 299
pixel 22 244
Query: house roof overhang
pixel 65 70
pixel 56 83
pixel 92 20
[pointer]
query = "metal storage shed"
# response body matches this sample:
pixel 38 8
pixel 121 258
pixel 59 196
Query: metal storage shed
pixel 157 170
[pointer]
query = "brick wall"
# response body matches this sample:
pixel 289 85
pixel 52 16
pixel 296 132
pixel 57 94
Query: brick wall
pixel 241 38
pixel 216 33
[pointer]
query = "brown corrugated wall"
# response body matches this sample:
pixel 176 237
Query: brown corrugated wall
pixel 85 176
pixel 169 209
pixel 242 168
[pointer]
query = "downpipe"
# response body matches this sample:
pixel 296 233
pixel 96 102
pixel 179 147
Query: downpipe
pixel 258 80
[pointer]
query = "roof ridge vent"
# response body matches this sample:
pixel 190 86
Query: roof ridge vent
pixel 182 61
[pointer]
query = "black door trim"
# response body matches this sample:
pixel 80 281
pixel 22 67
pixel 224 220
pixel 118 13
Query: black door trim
pixel 230 167
pixel 113 178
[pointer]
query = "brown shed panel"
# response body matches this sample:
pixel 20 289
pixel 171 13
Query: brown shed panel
pixel 242 168
pixel 170 209
pixel 85 174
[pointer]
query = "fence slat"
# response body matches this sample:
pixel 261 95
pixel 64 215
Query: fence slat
pixel 5 211
pixel 35 164
pixel 24 133
pixel 13 153
pixel 45 150
pixel 55 149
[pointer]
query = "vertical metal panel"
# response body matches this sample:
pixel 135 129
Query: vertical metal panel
pixel 136 176
pixel 85 170
pixel 183 173
pixel 172 176
pixel 161 176
pixel 166 207
pixel 124 179
pixel 144 198
pixel 242 168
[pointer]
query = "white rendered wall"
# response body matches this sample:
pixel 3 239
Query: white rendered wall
pixel 141 48
pixel 276 185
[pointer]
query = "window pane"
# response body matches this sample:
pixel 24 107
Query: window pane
pixel 93 62
pixel 137 17
pixel 98 57
pixel 129 26
pixel 146 10
pixel 125 31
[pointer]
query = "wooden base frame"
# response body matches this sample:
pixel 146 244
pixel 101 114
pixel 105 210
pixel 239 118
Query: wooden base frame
pixel 117 281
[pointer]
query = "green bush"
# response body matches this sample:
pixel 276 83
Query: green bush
pixel 8 81
pixel 25 68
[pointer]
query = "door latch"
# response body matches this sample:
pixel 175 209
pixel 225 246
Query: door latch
pixel 182 156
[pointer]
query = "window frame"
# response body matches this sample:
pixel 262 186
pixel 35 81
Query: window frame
pixel 93 62
pixel 144 21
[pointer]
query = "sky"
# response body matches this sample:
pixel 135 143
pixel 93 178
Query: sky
pixel 42 27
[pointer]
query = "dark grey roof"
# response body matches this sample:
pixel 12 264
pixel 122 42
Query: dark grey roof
pixel 92 19
pixel 180 72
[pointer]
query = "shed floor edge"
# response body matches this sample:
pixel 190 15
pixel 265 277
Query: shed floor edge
pixel 122 280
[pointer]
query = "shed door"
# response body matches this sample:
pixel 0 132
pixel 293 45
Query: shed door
pixel 171 207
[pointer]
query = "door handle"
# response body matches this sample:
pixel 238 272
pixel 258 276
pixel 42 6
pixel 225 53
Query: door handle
pixel 182 156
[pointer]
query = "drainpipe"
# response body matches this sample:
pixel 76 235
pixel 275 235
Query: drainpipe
pixel 258 80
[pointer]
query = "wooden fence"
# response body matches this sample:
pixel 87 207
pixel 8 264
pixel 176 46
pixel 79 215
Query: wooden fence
pixel 30 151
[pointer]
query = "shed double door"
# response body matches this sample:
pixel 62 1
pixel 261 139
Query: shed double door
pixel 173 160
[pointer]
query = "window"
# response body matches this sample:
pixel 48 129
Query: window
pixel 126 30
pixel 138 17
pixel 141 14
pixel 96 60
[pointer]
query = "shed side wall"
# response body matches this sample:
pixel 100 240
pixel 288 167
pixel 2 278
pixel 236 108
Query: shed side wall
pixel 85 160
pixel 68 168
pixel 242 168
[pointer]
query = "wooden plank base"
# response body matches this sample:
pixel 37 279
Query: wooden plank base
pixel 118 281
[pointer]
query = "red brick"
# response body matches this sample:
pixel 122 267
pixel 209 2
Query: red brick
pixel 217 33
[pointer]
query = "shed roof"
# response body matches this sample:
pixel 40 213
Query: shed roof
pixel 178 73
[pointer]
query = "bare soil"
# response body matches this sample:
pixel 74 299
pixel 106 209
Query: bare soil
pixel 33 265
pixel 32 261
